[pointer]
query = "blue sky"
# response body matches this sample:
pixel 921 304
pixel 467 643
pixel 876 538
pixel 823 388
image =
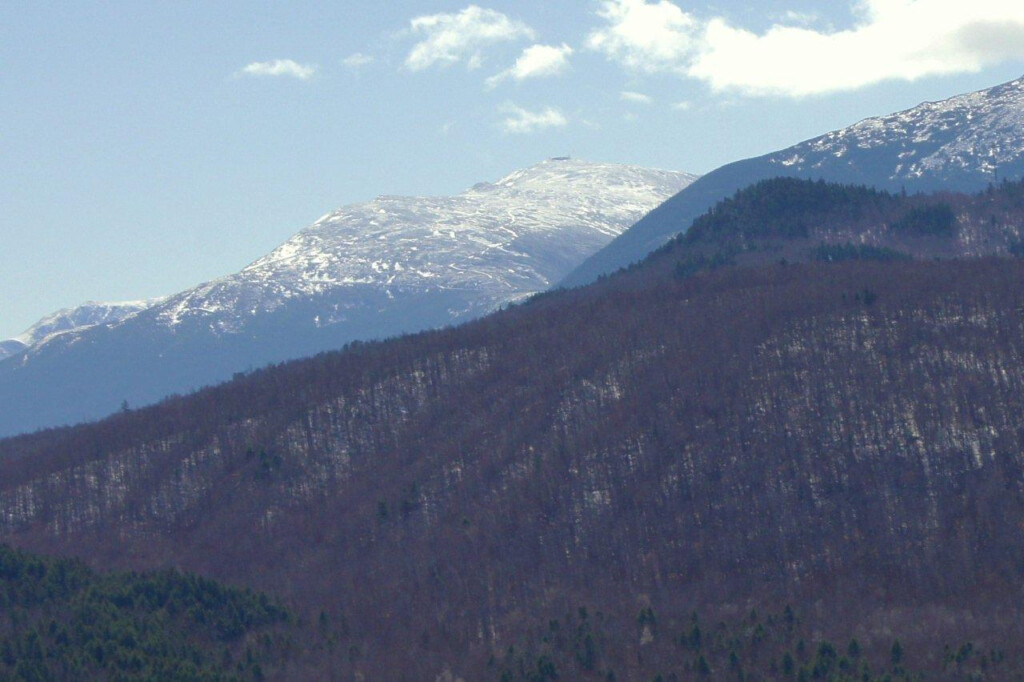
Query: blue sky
pixel 149 146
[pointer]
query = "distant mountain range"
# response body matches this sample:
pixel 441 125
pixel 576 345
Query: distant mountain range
pixel 366 271
pixel 72 320
pixel 959 144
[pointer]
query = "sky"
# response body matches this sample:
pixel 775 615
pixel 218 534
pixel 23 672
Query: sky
pixel 146 147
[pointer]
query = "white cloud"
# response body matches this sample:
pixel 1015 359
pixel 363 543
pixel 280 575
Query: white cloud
pixel 450 38
pixel 636 97
pixel 644 36
pixel 682 106
pixel 520 121
pixel 357 61
pixel 280 67
pixel 894 40
pixel 536 61
pixel 891 40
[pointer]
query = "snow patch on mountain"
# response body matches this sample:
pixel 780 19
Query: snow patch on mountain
pixel 501 241
pixel 368 271
pixel 972 133
pixel 73 320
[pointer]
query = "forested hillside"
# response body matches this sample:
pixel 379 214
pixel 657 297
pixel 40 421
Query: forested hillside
pixel 842 438
pixel 789 220
pixel 59 620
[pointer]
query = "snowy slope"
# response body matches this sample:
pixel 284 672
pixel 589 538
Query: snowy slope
pixel 366 271
pixel 968 136
pixel 962 143
pixel 499 242
pixel 73 320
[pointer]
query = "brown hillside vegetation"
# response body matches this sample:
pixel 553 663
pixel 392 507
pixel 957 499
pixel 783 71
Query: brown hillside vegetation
pixel 845 438
pixel 800 220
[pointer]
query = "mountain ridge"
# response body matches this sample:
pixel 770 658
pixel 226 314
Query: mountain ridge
pixel 469 226
pixel 72 320
pixel 959 144
pixel 372 270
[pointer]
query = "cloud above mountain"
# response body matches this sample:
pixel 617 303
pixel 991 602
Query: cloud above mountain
pixel 521 121
pixel 797 55
pixel 537 61
pixel 649 37
pixel 357 61
pixel 635 97
pixel 450 38
pixel 890 40
pixel 280 67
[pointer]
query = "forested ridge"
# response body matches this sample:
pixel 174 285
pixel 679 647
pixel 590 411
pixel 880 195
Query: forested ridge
pixel 839 436
pixel 59 620
pixel 937 146
pixel 792 220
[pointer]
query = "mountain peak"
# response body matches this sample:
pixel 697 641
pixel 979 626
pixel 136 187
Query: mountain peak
pixel 75 319
pixel 934 143
pixel 487 238
pixel 963 143
pixel 364 271
pixel 564 173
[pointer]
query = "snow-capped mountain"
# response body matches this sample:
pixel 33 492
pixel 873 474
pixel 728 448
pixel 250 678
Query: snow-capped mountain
pixel 371 270
pixel 494 242
pixel 77 319
pixel 963 140
pixel 962 143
